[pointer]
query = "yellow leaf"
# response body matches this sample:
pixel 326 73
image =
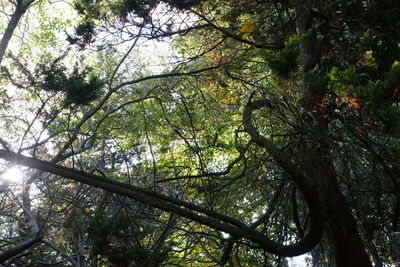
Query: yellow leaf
pixel 206 5
pixel 86 210
pixel 248 28
pixel 246 35
pixel 29 260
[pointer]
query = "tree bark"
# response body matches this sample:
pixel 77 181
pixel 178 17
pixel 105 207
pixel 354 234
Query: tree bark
pixel 341 229
pixel 34 237
pixel 20 9
pixel 340 225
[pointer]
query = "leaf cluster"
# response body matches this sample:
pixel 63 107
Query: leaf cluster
pixel 110 236
pixel 286 60
pixel 382 97
pixel 80 87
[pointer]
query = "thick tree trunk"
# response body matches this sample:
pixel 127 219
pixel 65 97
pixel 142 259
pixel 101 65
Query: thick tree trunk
pixel 341 229
pixel 340 225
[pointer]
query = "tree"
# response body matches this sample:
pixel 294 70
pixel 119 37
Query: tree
pixel 270 133
pixel 20 7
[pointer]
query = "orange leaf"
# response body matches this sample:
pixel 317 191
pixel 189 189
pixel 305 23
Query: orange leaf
pixel 165 189
pixel 354 104
pixel 362 130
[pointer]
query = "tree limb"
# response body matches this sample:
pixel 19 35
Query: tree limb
pixel 305 185
pixel 185 209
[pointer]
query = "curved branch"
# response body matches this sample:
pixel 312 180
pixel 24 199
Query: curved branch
pixel 24 245
pixel 305 185
pixel 36 237
pixel 99 105
pixel 208 174
pixel 164 75
pixel 263 219
pixel 236 37
pixel 188 210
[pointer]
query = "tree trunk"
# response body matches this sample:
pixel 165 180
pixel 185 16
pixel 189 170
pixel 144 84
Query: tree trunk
pixel 340 225
pixel 341 229
pixel 20 9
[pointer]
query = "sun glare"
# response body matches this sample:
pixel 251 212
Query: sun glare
pixel 13 174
